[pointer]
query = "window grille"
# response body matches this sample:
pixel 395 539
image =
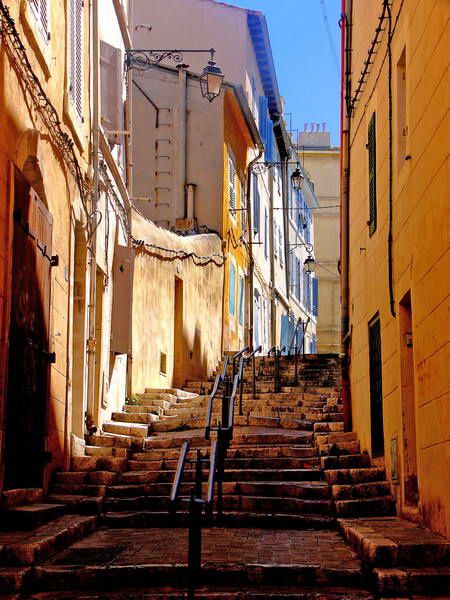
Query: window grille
pixel 76 55
pixel 371 146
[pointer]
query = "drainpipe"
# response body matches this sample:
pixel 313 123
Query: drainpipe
pixel 190 208
pixel 90 417
pixel 181 183
pixel 346 25
pixel 250 245
pixel 272 242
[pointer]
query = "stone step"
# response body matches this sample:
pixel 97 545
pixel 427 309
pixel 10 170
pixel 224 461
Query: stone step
pixel 114 440
pixel 29 516
pixel 90 477
pixel 239 438
pixel 345 461
pixel 275 422
pixel 143 408
pixel 338 448
pixel 42 543
pixel 84 489
pixel 21 496
pixel 151 519
pixel 78 505
pixel 133 430
pixel 135 417
pixel 153 403
pixel 103 451
pixel 365 507
pixel 394 542
pixel 409 580
pixel 361 490
pixel 231 463
pixel 14 579
pixel 351 476
pixel 96 463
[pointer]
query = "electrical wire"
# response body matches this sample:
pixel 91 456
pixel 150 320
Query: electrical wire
pixel 330 37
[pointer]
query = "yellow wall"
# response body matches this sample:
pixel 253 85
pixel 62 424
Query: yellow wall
pixel 154 328
pixel 236 140
pixel 421 248
pixel 26 143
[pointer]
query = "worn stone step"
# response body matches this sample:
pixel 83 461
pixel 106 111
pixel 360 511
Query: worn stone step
pixel 412 580
pixel 345 461
pixel 134 430
pixel 231 463
pixel 78 505
pixel 21 496
pixel 45 541
pixel 104 451
pixel 143 408
pixel 135 417
pixel 14 579
pixel 90 477
pixel 114 440
pixel 351 476
pixel 338 448
pixel 85 489
pixel 364 507
pixel 394 542
pixel 95 463
pixel 147 518
pixel 30 516
pixel 361 490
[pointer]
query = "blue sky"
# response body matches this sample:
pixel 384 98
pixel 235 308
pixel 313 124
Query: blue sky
pixel 306 69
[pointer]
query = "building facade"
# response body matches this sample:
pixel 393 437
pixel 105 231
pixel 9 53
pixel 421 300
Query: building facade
pixel 321 162
pixel 396 244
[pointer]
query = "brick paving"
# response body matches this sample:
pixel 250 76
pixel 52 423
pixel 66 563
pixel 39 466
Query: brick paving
pixel 237 546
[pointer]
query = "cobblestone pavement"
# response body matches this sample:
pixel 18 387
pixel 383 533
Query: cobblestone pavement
pixel 237 546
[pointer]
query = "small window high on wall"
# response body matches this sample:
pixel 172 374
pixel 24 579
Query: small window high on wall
pixel 76 55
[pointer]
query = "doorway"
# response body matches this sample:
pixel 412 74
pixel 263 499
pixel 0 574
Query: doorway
pixel 376 387
pixel 178 335
pixel 410 487
pixel 29 357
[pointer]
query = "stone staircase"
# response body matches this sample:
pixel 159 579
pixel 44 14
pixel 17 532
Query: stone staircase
pixel 290 468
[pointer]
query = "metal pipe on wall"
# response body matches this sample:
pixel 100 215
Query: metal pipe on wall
pixel 180 212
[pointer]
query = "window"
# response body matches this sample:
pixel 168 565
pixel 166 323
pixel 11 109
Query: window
pixel 298 272
pixel 315 296
pixel 256 205
pixel 40 9
pixel 111 91
pixel 163 363
pixel 76 55
pixel 241 299
pixel 372 149
pixel 266 234
pixel 232 290
pixel 231 185
pixel 275 237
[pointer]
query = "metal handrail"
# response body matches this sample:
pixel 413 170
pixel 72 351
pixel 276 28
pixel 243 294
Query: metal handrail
pixel 299 320
pixel 247 357
pixel 211 477
pixel 236 356
pixel 220 378
pixel 178 474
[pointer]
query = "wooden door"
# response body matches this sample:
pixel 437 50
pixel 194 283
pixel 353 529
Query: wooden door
pixel 376 387
pixel 29 356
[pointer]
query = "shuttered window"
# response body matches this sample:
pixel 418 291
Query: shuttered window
pixel 111 91
pixel 231 185
pixel 275 238
pixel 232 290
pixel 315 296
pixel 266 234
pixel 241 300
pixel 372 152
pixel 76 55
pixel 40 9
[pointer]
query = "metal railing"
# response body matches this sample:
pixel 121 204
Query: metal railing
pixel 277 352
pixel 299 351
pixel 228 388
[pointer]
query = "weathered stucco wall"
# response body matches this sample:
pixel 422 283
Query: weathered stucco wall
pixel 416 394
pixel 177 307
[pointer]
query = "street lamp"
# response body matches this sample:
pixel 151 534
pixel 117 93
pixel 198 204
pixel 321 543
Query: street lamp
pixel 309 266
pixel 297 176
pixel 210 80
pixel 297 179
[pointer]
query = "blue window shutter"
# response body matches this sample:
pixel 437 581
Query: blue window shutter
pixel 263 109
pixel 315 288
pixel 284 332
pixel 232 290
pixel 256 205
pixel 241 301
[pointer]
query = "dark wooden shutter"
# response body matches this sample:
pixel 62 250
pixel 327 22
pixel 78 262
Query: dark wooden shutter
pixel 372 151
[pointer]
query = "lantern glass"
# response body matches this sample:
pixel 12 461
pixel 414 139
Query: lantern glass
pixel 309 265
pixel 297 179
pixel 211 81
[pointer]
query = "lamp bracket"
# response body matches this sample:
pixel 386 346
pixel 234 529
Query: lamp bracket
pixel 145 59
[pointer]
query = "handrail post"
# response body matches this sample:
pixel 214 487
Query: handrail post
pixel 254 377
pixel 296 366
pixel 195 526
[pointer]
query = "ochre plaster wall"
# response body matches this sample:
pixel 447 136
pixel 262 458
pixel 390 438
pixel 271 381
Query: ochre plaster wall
pixel 421 247
pixel 154 307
